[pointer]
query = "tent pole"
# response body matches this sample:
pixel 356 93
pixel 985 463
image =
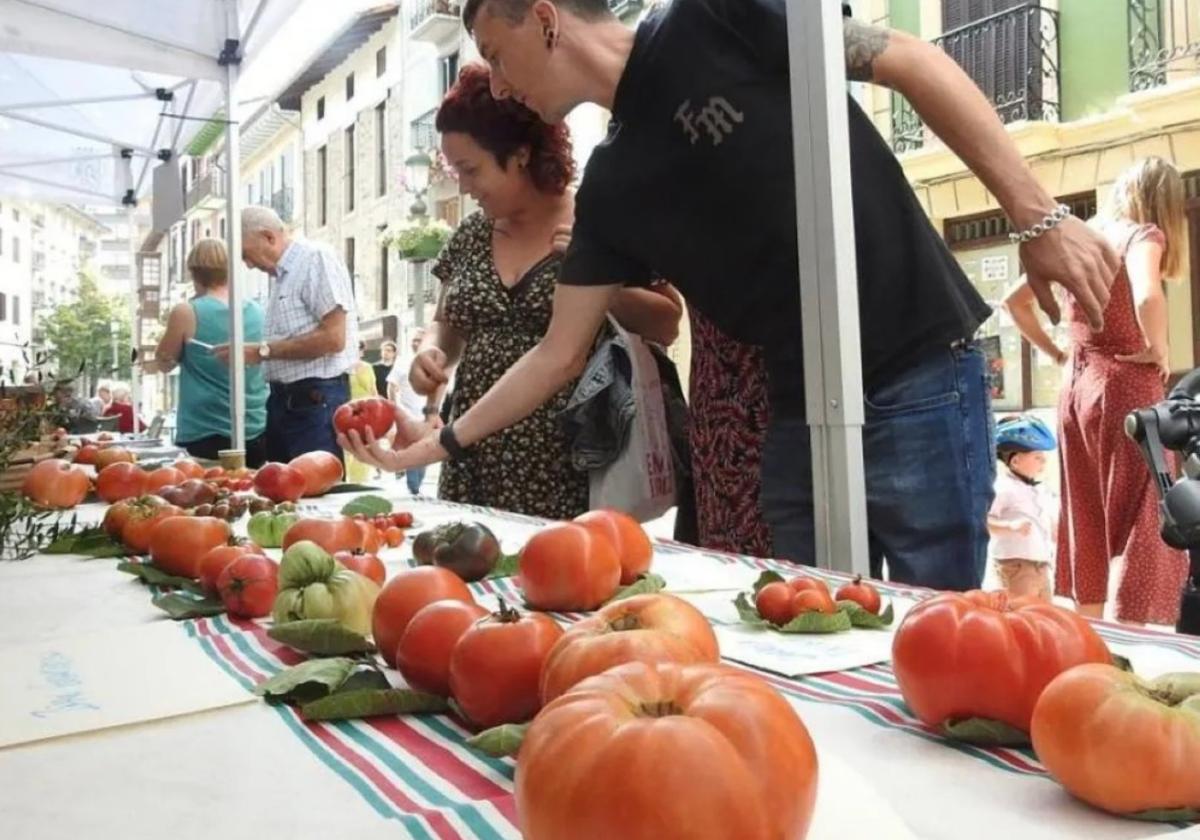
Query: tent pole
pixel 233 239
pixel 135 313
pixel 828 283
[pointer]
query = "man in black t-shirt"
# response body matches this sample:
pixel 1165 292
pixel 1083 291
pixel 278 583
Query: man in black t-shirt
pixel 695 183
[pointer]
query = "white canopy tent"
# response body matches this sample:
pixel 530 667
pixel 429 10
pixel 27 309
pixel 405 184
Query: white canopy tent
pixel 95 95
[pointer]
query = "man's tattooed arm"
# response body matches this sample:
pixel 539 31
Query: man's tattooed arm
pixel 864 43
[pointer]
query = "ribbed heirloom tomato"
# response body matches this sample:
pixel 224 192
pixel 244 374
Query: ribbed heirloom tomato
pixel 403 596
pixel 1121 743
pixel 214 561
pixel 178 542
pixel 321 469
pixel 56 483
pixel 568 567
pixel 144 514
pixel 980 655
pixel 366 564
pixel 334 534
pixel 423 655
pixel 163 477
pixel 644 628
pixel 496 666
pixel 651 751
pixel 248 586
pixel 626 535
pixel 121 481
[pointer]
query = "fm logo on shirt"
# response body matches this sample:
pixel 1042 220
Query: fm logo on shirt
pixel 717 118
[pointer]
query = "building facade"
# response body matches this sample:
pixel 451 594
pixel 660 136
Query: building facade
pixel 1085 87
pixel 16 290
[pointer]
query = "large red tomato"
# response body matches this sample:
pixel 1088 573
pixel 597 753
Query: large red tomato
pixel 568 567
pixel 366 564
pixel 113 455
pixel 121 480
pixel 214 561
pixel 115 518
pixel 144 513
pixel 87 454
pixel 178 542
pixel 321 470
pixel 862 593
pixel 335 534
pixel 189 468
pixel 163 477
pixel 644 628
pixel 979 655
pixel 647 751
pixel 497 664
pixel 279 482
pixel 628 538
pixel 423 655
pixel 248 586
pixel 403 596
pixel 374 413
pixel 1121 743
pixel 56 483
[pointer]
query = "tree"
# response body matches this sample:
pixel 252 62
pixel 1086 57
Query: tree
pixel 79 335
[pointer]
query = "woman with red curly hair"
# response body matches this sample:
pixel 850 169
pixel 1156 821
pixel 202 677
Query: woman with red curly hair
pixel 498 274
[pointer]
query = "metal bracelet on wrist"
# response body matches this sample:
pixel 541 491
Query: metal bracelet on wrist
pixel 1043 227
pixel 449 442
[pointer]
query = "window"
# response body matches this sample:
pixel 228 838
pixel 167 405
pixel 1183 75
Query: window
pixel 381 62
pixel 350 261
pixel 322 191
pixel 320 107
pixel 16 250
pixel 3 307
pixel 381 174
pixel 222 229
pixel 448 71
pixel 349 86
pixel 16 308
pixel 383 278
pixel 16 215
pixel 350 169
pixel 249 195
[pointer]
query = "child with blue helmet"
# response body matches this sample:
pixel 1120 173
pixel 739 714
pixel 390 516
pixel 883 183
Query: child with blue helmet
pixel 1023 520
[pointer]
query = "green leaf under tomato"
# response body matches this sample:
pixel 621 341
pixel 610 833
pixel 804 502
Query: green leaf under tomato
pixel 817 622
pixel 1173 815
pixel 365 678
pixel 499 741
pixel 985 733
pixel 861 617
pixel 748 613
pixel 307 681
pixel 367 505
pixel 347 705
pixel 320 637
pixel 181 606
pixel 768 577
pixel 91 542
pixel 151 574
pixel 644 585
pixel 1122 662
pixel 506 566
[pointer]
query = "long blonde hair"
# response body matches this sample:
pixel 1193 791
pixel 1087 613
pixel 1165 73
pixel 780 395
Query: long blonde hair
pixel 208 263
pixel 1151 192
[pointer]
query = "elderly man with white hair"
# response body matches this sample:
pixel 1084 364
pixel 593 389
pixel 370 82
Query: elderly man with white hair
pixel 310 332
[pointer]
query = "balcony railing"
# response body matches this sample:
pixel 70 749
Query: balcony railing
pixel 1164 41
pixel 207 191
pixel 424 132
pixel 282 204
pixel 1014 58
pixel 435 21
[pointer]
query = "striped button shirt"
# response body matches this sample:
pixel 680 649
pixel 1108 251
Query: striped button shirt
pixel 310 282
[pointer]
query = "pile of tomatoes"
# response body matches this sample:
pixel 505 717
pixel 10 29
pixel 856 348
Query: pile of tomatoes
pixel 783 601
pixel 389 526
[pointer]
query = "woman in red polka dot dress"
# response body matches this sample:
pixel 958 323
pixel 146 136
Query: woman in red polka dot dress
pixel 1110 509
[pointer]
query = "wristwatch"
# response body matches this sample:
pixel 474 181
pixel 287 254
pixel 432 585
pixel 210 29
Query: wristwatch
pixel 264 350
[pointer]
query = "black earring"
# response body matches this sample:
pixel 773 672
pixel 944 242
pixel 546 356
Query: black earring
pixel 549 39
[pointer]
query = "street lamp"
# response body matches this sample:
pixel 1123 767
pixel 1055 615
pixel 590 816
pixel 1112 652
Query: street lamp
pixel 417 168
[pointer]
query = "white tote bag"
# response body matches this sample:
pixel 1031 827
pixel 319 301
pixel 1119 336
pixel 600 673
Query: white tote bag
pixel 641 481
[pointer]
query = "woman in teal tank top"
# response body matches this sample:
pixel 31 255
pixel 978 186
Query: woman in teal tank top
pixel 203 423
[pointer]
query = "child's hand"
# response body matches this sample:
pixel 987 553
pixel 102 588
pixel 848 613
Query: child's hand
pixel 1024 527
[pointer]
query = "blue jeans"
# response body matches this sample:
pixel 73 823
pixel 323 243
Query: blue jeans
pixel 929 452
pixel 414 476
pixel 300 417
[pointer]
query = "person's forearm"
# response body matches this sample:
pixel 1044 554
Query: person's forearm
pixel 533 380
pixel 1152 319
pixel 953 107
pixel 1030 326
pixel 1003 526
pixel 653 316
pixel 448 339
pixel 311 345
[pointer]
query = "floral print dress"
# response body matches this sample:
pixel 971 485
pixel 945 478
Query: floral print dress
pixel 525 468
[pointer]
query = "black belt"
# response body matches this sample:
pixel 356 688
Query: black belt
pixel 307 384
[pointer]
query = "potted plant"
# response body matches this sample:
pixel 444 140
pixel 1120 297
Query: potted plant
pixel 419 238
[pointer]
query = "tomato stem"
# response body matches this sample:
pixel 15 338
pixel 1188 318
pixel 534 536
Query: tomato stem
pixel 625 622
pixel 659 709
pixel 507 613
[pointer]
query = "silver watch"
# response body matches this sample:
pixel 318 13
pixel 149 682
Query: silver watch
pixel 264 350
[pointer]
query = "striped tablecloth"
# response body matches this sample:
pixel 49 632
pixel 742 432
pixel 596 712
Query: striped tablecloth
pixel 414 777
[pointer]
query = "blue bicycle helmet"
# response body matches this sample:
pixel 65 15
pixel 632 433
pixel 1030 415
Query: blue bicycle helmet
pixel 1024 434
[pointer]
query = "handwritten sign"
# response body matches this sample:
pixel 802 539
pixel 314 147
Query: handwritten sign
pixel 123 677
